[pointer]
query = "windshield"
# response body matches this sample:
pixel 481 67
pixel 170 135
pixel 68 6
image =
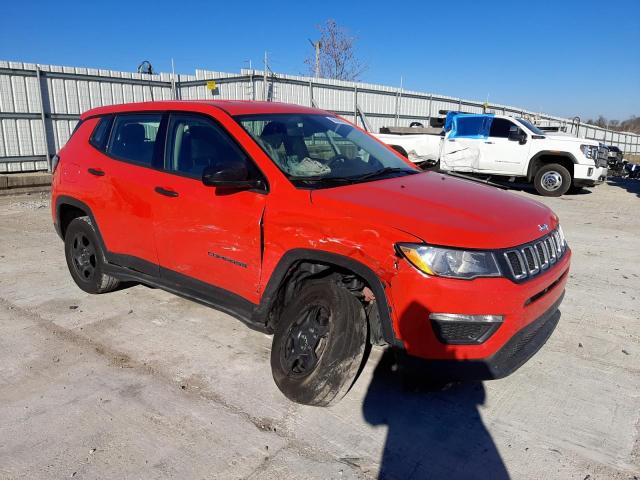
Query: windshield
pixel 320 151
pixel 530 126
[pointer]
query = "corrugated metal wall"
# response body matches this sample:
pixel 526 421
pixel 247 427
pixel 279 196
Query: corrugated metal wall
pixel 40 104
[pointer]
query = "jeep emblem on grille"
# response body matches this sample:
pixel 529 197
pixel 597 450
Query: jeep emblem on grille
pixel 543 226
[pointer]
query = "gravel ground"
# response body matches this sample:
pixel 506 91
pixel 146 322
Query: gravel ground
pixel 142 384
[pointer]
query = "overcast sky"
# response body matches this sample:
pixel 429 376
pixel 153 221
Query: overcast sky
pixel 563 57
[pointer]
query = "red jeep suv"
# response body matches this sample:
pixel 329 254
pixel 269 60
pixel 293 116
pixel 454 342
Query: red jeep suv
pixel 302 225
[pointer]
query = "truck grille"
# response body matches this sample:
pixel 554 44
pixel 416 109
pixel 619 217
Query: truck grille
pixel 533 258
pixel 603 153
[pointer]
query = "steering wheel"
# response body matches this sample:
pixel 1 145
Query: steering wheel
pixel 337 161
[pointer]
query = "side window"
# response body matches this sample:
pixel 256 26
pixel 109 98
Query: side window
pixel 470 126
pixel 501 127
pixel 133 137
pixel 100 133
pixel 195 143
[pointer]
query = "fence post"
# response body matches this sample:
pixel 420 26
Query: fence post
pixel 311 102
pixel 43 119
pixel 429 113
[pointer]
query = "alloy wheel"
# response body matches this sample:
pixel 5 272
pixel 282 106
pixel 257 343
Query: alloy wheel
pixel 83 254
pixel 306 341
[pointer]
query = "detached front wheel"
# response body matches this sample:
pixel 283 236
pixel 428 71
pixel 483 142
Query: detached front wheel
pixel 319 344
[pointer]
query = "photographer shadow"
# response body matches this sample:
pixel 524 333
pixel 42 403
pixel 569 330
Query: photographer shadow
pixel 434 431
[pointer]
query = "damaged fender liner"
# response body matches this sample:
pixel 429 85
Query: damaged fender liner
pixel 129 268
pixel 294 256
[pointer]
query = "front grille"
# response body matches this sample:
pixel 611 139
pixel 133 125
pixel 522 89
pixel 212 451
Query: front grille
pixel 531 259
pixel 603 153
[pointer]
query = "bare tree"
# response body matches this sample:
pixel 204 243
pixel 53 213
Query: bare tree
pixel 337 56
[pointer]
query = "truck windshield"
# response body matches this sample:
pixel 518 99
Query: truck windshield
pixel 530 126
pixel 316 151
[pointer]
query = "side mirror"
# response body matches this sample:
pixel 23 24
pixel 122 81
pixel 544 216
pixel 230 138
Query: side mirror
pixel 518 136
pixel 230 176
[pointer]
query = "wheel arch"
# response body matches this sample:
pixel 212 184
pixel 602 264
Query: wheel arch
pixel 68 208
pixel 401 150
pixel 380 325
pixel 546 157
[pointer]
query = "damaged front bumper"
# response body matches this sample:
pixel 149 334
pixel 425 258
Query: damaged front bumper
pixel 515 353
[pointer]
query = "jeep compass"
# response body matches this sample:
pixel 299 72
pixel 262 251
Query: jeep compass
pixel 303 226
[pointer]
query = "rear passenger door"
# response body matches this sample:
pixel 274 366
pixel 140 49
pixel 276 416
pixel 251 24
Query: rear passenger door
pixel 208 234
pixel 127 169
pixel 461 148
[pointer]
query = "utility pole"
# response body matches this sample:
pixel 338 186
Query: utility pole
pixel 266 67
pixel 398 98
pixel 174 90
pixel 316 46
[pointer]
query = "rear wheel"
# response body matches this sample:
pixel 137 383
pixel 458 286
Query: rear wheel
pixel 319 344
pixel 552 180
pixel 85 258
pixel 400 150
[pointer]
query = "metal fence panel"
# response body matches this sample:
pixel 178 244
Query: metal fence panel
pixel 40 104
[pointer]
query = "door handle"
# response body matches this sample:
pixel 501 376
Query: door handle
pixel 96 171
pixel 489 143
pixel 451 140
pixel 165 192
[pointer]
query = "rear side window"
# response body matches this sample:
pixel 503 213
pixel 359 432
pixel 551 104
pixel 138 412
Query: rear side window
pixel 133 137
pixel 100 133
pixel 500 128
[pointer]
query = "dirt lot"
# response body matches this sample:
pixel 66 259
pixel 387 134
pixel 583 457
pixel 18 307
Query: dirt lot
pixel 143 384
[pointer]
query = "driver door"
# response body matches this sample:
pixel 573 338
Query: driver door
pixel 502 154
pixel 211 235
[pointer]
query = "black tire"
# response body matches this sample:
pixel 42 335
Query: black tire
pixel 552 180
pixel 314 365
pixel 85 257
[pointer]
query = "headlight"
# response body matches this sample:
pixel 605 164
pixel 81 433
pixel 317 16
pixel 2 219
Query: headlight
pixel 589 151
pixel 446 262
pixel 563 239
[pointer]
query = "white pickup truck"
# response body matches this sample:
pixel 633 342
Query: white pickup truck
pixel 500 146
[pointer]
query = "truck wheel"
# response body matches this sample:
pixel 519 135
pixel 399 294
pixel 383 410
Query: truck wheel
pixel 400 150
pixel 85 258
pixel 552 180
pixel 319 344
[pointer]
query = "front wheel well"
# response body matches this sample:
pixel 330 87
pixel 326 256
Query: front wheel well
pixel 537 162
pixel 306 270
pixel 401 150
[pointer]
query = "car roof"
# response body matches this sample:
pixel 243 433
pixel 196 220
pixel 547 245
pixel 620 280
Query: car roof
pixel 231 107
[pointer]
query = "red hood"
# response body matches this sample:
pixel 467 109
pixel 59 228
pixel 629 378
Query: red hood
pixel 442 210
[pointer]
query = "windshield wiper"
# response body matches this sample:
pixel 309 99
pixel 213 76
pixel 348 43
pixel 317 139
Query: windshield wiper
pixel 382 172
pixel 319 179
pixel 351 179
